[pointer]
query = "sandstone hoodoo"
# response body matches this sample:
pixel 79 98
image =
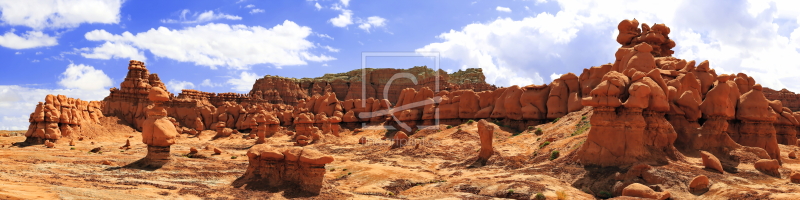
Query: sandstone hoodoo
pixel 486 133
pixel 281 167
pixel 157 131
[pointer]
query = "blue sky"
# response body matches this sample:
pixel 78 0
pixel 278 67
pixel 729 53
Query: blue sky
pixel 80 48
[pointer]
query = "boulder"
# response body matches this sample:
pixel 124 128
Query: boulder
pixel 710 161
pixel 768 166
pixel 642 191
pixel 699 183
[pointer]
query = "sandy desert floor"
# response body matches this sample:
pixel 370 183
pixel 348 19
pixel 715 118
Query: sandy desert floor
pixel 442 166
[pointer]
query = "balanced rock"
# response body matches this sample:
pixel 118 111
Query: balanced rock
pixel 793 155
pixel 193 150
pixel 710 161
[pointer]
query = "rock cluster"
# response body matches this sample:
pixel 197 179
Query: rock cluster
pixel 60 116
pixel 647 104
pixel 272 167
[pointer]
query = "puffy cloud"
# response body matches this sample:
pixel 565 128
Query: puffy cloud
pixel 345 3
pixel 206 16
pixel 40 14
pixel 115 50
pixel 235 46
pixel 319 7
pixel 503 9
pixel 343 20
pixel 177 86
pixel 250 6
pixel 30 39
pixel 372 22
pixel 244 83
pixel 208 83
pixel 84 77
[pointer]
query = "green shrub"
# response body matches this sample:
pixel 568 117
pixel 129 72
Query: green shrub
pixel 544 144
pixel 583 118
pixel 510 191
pixel 605 194
pixel 554 155
pixel 556 120
pixel 72 148
pixel 233 157
pixel 539 196
pixel 449 127
pixel 538 131
pixel 470 121
pixel 581 128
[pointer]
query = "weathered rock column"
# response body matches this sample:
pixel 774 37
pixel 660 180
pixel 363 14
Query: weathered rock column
pixel 158 132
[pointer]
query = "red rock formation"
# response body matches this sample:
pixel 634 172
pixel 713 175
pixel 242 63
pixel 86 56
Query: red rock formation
pixel 293 166
pixel 486 133
pixel 61 117
pixel 157 131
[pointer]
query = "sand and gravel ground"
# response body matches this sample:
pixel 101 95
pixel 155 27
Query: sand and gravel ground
pixel 442 166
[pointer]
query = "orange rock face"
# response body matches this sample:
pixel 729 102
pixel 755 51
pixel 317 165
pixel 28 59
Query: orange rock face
pixel 642 191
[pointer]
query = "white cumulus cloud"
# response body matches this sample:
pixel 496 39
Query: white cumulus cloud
pixel 84 77
pixel 372 22
pixel 343 20
pixel 31 39
pixel 176 86
pixel 213 45
pixel 111 50
pixel 243 83
pixel 254 11
pixel 319 7
pixel 40 14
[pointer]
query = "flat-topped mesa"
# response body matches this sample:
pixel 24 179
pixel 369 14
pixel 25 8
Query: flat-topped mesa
pixel 61 117
pixel 350 85
pixel 788 98
pixel 632 96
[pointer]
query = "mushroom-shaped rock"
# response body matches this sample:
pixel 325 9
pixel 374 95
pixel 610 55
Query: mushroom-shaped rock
pixel 710 161
pixel 642 191
pixel 486 133
pixel 768 166
pixel 699 183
